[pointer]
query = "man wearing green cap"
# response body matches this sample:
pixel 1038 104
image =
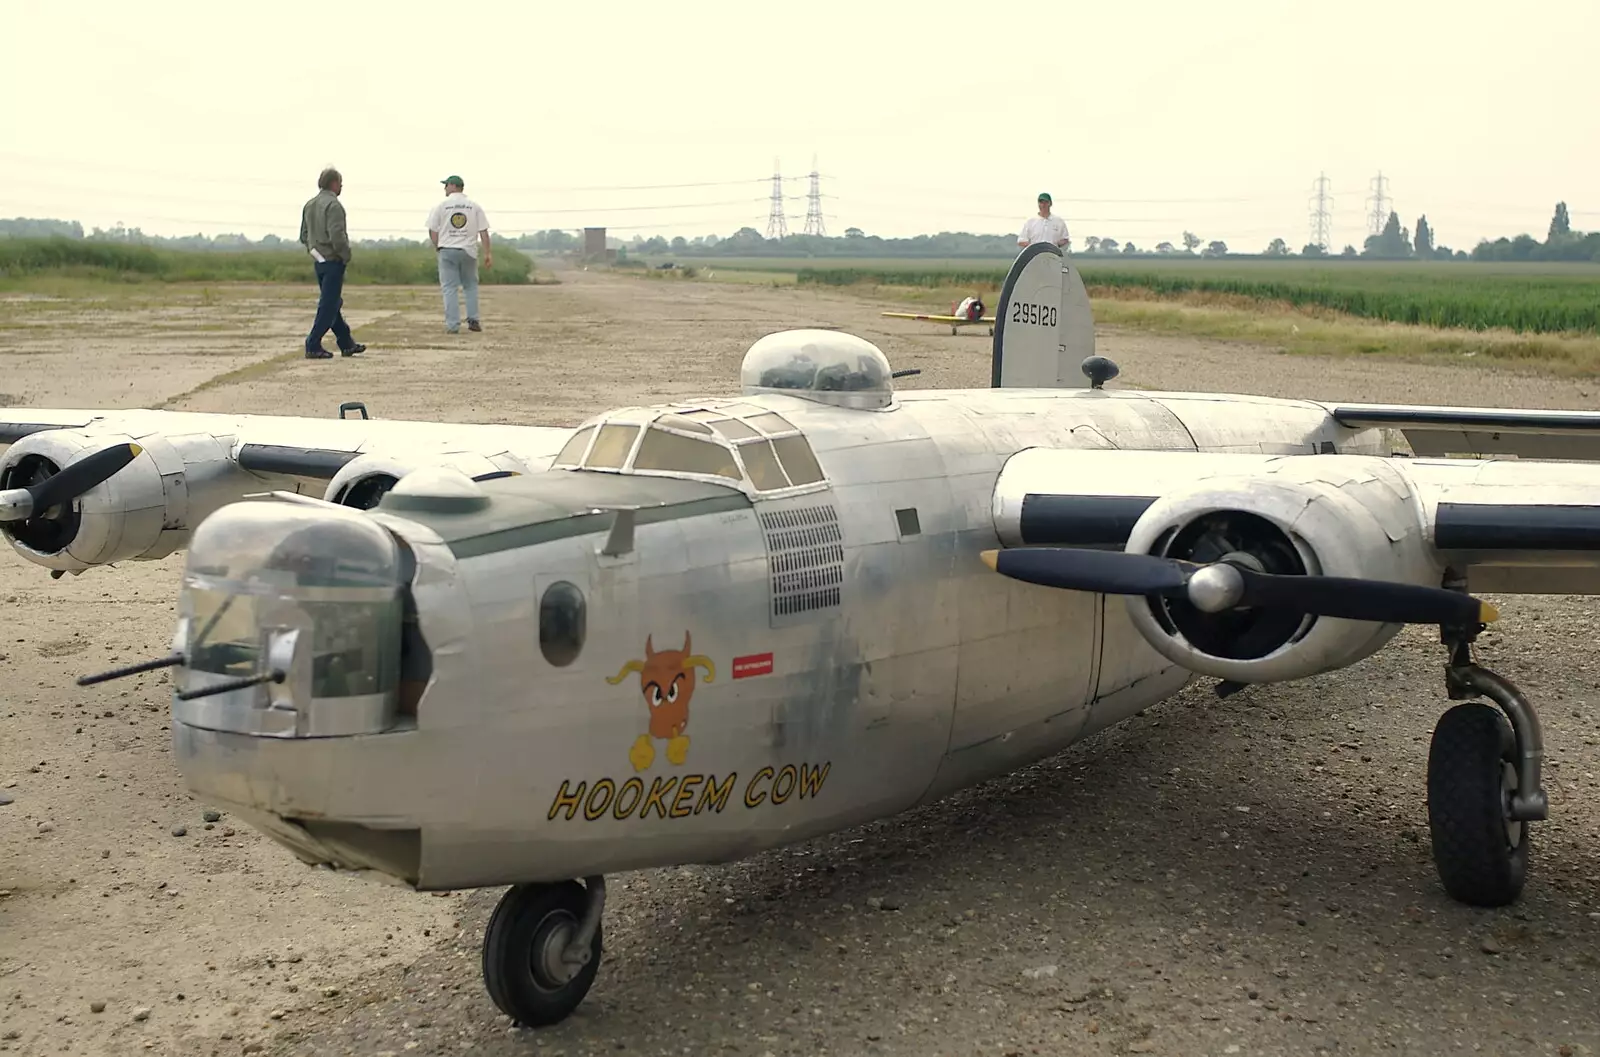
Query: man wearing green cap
pixel 457 227
pixel 1044 228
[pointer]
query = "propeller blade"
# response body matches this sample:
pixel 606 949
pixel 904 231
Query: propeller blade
pixel 1354 599
pixel 18 504
pixel 1077 569
pixel 1225 585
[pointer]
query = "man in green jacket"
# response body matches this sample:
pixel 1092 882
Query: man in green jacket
pixel 323 234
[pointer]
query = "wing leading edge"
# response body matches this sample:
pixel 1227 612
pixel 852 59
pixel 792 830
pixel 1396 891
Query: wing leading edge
pixel 939 319
pixel 1482 431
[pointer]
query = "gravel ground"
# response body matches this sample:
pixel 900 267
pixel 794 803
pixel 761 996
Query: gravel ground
pixel 1245 876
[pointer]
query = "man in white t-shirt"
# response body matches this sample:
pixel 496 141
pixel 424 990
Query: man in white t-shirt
pixel 457 226
pixel 1044 228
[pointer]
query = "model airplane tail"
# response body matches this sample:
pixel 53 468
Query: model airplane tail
pixel 1044 328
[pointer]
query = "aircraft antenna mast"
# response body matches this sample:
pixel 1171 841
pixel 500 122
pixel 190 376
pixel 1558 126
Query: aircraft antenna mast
pixel 814 206
pixel 1380 206
pixel 777 228
pixel 1321 224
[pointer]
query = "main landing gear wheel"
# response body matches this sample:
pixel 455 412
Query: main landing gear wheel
pixel 1483 781
pixel 1479 849
pixel 537 964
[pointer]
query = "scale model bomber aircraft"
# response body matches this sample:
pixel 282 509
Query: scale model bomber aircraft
pixel 464 656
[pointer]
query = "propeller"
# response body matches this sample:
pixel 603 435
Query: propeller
pixel 1230 584
pixel 20 504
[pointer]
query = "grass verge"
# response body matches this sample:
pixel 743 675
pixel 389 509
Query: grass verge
pixel 1310 330
pixel 1305 334
pixel 60 266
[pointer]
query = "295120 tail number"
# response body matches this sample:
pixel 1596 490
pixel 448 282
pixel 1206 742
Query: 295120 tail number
pixel 1040 315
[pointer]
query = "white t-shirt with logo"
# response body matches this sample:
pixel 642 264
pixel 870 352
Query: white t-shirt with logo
pixel 1051 229
pixel 458 219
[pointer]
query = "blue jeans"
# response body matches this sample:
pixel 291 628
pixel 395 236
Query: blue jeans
pixel 330 307
pixel 457 267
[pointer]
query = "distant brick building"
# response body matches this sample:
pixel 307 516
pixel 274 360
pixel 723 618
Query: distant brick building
pixel 594 244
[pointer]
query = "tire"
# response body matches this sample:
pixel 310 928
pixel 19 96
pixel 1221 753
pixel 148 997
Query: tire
pixel 526 926
pixel 1481 856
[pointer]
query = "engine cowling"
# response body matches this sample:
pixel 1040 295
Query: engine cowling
pixel 141 512
pixel 363 481
pixel 1323 516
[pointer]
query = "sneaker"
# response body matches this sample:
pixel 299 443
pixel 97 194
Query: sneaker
pixel 473 324
pixel 318 354
pixel 354 350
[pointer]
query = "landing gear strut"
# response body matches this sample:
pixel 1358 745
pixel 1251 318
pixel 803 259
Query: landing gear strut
pixel 541 950
pixel 1483 782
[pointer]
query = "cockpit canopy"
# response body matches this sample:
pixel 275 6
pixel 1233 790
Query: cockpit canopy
pixel 826 366
pixel 730 443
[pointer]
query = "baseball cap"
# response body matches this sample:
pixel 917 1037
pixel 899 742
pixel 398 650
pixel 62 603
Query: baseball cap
pixel 1043 197
pixel 458 181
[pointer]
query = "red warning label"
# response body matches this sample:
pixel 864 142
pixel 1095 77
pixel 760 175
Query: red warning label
pixel 754 664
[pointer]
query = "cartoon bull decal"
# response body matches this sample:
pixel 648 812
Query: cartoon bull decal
pixel 667 681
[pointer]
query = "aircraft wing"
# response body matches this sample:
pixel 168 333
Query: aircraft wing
pixel 1356 544
pixel 165 471
pixel 938 319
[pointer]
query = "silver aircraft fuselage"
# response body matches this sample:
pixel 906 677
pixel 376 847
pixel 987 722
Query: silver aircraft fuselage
pixel 748 669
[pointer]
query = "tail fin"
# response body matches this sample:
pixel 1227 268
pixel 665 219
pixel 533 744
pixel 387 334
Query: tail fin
pixel 1043 327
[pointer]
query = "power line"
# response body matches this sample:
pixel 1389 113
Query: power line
pixel 1320 220
pixel 1380 213
pixel 36 164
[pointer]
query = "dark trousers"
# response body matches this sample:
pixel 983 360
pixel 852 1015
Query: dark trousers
pixel 330 307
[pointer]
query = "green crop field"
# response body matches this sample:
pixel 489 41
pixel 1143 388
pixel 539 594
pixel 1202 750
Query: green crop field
pixel 25 259
pixel 1525 298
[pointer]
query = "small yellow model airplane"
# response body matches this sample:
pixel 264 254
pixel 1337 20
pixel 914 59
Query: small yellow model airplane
pixel 969 313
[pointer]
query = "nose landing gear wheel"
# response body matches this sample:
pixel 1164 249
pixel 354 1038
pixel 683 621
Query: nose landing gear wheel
pixel 1480 851
pixel 529 967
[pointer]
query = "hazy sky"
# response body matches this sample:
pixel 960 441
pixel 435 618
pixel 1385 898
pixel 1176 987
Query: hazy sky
pixel 1142 119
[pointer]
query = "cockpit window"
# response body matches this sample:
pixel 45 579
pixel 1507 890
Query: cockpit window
pixel 798 460
pixel 611 447
pixel 760 449
pixel 733 429
pixel 572 452
pixel 762 465
pixel 771 423
pixel 673 451
pixel 683 422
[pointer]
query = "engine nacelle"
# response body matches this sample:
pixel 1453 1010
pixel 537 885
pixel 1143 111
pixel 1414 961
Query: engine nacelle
pixel 143 512
pixel 363 481
pixel 1327 515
